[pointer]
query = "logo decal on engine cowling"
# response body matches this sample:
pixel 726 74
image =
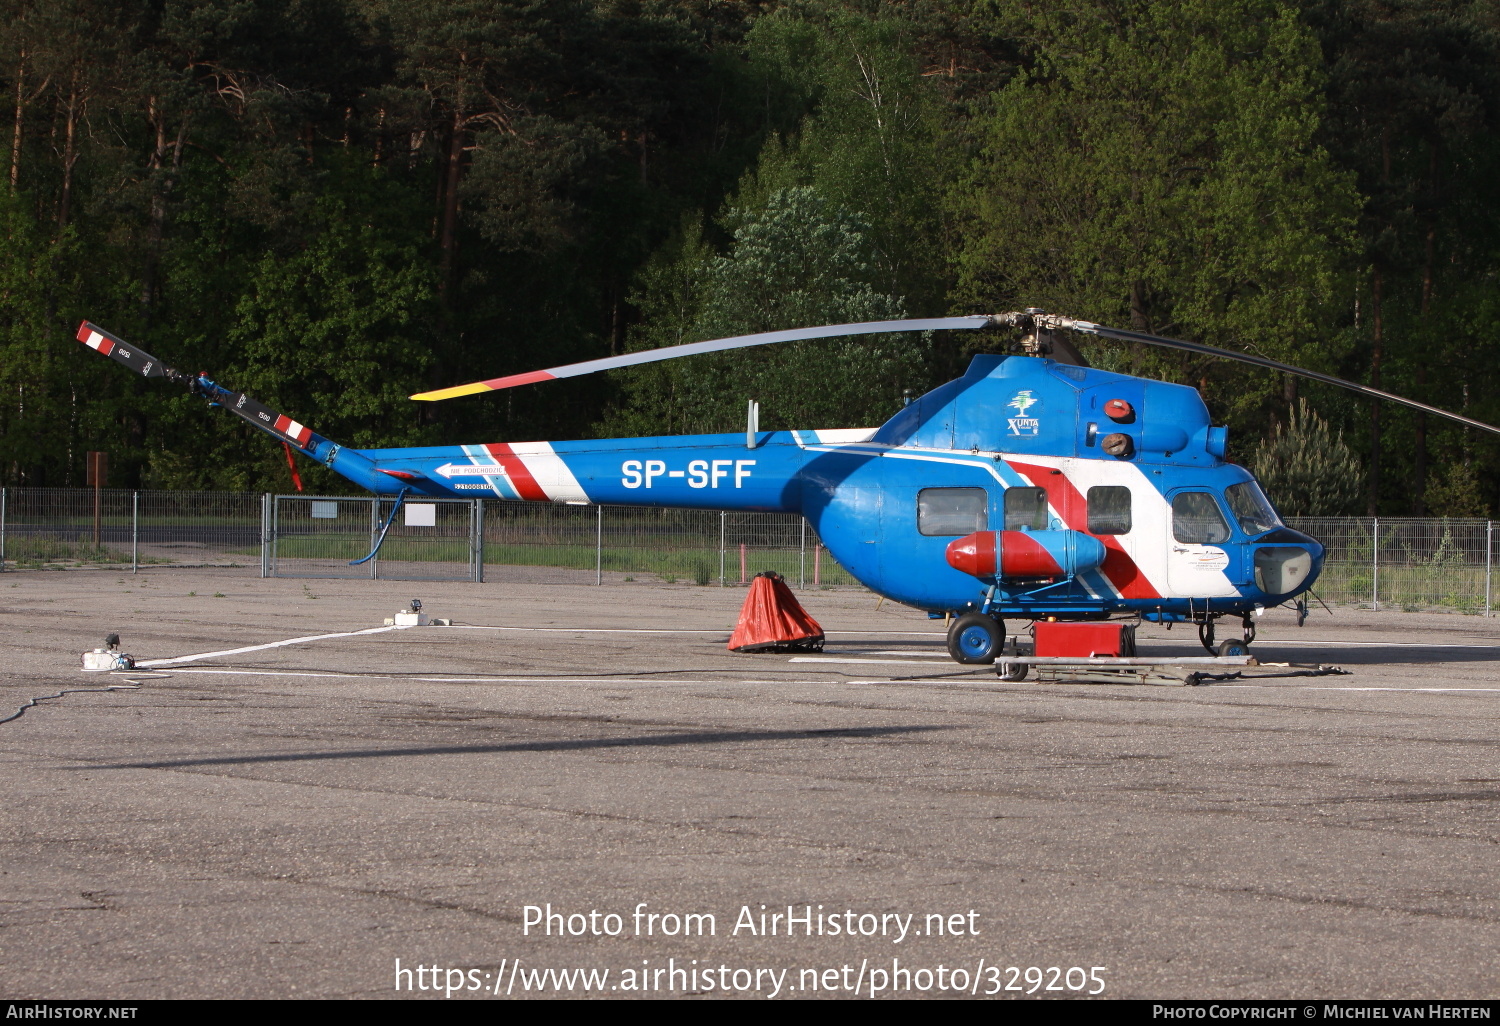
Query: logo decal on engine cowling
pixel 1028 407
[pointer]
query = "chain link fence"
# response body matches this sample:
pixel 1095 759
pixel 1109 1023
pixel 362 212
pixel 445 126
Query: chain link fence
pixel 1405 563
pixel 1379 563
pixel 333 536
pixel 338 536
pixel 57 528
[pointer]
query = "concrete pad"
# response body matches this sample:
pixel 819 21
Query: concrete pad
pixel 291 821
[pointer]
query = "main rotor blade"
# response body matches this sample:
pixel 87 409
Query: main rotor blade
pixel 573 370
pixel 1088 327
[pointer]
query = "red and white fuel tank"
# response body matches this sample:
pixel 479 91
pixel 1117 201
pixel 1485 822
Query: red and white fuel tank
pixel 1026 554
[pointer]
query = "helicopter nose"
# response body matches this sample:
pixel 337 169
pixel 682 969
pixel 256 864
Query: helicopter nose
pixel 1289 565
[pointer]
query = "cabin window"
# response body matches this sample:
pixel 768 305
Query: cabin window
pixel 1109 509
pixel 1251 508
pixel 1025 509
pixel 958 511
pixel 1196 519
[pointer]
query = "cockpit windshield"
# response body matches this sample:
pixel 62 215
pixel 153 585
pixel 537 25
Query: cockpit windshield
pixel 1251 508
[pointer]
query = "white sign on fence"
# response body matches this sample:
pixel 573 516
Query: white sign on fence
pixel 325 510
pixel 421 514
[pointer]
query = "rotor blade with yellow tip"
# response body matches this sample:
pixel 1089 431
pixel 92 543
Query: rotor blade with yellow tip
pixel 574 370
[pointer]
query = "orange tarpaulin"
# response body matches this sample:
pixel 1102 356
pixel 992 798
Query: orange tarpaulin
pixel 772 620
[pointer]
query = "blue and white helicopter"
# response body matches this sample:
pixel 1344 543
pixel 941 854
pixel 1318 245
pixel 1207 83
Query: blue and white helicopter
pixel 1033 487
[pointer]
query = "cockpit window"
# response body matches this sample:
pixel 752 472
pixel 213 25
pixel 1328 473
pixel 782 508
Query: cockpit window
pixel 1196 519
pixel 1251 508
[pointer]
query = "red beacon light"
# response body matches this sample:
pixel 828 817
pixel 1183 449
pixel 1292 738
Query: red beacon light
pixel 1118 409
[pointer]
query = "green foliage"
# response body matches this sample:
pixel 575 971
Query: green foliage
pixel 342 328
pixel 1307 470
pixel 875 141
pixel 1159 164
pixel 31 365
pixel 794 262
pixel 519 183
pixel 338 332
pixel 840 222
pixel 1458 492
pixel 332 203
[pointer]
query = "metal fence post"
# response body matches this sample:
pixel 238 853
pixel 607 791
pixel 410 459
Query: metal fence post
pixel 1489 548
pixel 135 532
pixel 1375 565
pixel 374 534
pixel 599 545
pixel 267 520
pixel 3 492
pixel 476 540
pixel 802 557
pixel 722 516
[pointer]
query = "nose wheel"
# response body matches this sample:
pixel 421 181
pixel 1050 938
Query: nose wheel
pixel 975 638
pixel 1206 638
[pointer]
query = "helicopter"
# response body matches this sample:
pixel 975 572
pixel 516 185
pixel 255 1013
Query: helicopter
pixel 1032 488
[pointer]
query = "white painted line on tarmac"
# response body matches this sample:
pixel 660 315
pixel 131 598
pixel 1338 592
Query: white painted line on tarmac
pixel 354 675
pixel 1265 642
pixel 276 673
pixel 945 679
pixel 1325 687
pixel 261 648
pixel 875 662
pixel 177 660
pixel 660 630
pixel 585 630
pixel 1029 685
pixel 923 634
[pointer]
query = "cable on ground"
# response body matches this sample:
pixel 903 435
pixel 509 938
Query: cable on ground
pixel 132 686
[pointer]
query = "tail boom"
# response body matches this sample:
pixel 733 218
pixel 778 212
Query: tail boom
pixel 690 472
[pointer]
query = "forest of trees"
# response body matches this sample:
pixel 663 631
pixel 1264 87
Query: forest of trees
pixel 332 204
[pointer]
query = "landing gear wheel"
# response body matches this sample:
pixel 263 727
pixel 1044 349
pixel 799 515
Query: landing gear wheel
pixel 1206 635
pixel 975 638
pixel 1233 648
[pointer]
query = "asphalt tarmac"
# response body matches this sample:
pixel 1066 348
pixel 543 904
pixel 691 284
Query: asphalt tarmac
pixel 313 819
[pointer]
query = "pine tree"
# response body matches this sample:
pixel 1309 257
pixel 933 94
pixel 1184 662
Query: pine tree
pixel 1307 470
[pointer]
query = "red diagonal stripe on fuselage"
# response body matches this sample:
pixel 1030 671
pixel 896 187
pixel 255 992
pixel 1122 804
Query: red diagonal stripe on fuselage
pixel 1118 567
pixel 515 469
